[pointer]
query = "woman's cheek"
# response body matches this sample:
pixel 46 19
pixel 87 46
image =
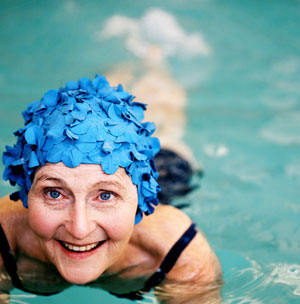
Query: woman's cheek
pixel 41 222
pixel 120 227
pixel 121 230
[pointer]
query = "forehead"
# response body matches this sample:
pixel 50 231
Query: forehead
pixel 84 173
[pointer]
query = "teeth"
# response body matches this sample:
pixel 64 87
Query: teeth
pixel 80 248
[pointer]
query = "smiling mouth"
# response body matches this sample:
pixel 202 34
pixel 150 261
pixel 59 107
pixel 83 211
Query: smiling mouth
pixel 80 249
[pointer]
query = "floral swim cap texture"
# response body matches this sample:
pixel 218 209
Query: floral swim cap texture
pixel 87 122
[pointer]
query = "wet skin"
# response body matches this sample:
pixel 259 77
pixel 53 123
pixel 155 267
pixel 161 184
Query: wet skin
pixel 79 228
pixel 82 218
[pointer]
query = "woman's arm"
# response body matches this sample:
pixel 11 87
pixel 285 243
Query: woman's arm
pixel 197 280
pixel 197 276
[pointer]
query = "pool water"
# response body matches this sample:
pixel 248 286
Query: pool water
pixel 243 113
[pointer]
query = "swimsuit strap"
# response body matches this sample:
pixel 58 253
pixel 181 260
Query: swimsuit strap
pixel 171 258
pixel 166 265
pixel 8 259
pixel 11 265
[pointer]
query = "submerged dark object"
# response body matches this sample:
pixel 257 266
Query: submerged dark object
pixel 175 174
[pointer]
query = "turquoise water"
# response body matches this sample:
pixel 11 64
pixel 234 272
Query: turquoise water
pixel 243 117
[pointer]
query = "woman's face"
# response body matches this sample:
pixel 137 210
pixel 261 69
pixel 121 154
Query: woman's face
pixel 82 217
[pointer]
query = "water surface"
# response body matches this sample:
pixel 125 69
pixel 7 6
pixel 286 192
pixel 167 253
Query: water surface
pixel 243 118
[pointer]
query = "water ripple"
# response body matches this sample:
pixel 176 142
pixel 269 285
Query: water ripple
pixel 257 283
pixel 284 129
pixel 288 274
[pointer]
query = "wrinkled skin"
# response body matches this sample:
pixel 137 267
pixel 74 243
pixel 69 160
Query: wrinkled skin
pixel 79 216
pixel 72 210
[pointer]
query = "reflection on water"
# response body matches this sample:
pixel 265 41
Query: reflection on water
pixel 148 299
pixel 155 27
pixel 16 299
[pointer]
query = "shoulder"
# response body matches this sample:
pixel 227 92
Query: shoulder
pixel 14 221
pixel 158 232
pixel 151 240
pixel 12 215
pixel 197 261
pixel 197 270
pixel 10 209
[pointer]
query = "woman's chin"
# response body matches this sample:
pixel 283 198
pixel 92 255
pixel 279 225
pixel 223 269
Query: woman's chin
pixel 79 267
pixel 80 276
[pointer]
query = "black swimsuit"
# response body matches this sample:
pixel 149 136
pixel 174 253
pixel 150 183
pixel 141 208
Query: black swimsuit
pixel 166 265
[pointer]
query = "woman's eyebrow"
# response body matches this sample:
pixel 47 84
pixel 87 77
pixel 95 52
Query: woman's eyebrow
pixel 102 183
pixel 49 178
pixel 110 183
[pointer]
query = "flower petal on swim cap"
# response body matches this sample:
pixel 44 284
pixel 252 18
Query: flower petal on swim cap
pixel 9 156
pixel 68 107
pixel 86 147
pixel 84 108
pixel 33 134
pixel 30 136
pixel 148 127
pixel 55 154
pixel 102 86
pixel 116 130
pixel 72 85
pixel 96 156
pixel 71 135
pixel 50 98
pixel 154 145
pixel 110 163
pixel 108 146
pixel 33 162
pixel 72 158
pixel 86 84
pixel 149 185
pixel 100 82
pixel 139 109
pixel 139 156
pixel 81 129
pixel 77 115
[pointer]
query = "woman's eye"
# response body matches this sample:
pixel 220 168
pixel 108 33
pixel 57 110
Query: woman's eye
pixel 105 196
pixel 53 194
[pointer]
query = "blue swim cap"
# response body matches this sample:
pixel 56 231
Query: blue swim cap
pixel 87 122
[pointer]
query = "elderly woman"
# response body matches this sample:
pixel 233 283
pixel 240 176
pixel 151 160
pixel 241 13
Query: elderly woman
pixel 84 164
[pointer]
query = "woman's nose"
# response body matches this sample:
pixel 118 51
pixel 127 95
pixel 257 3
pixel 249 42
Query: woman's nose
pixel 80 224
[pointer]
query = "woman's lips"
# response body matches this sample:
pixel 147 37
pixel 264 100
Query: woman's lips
pixel 77 250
